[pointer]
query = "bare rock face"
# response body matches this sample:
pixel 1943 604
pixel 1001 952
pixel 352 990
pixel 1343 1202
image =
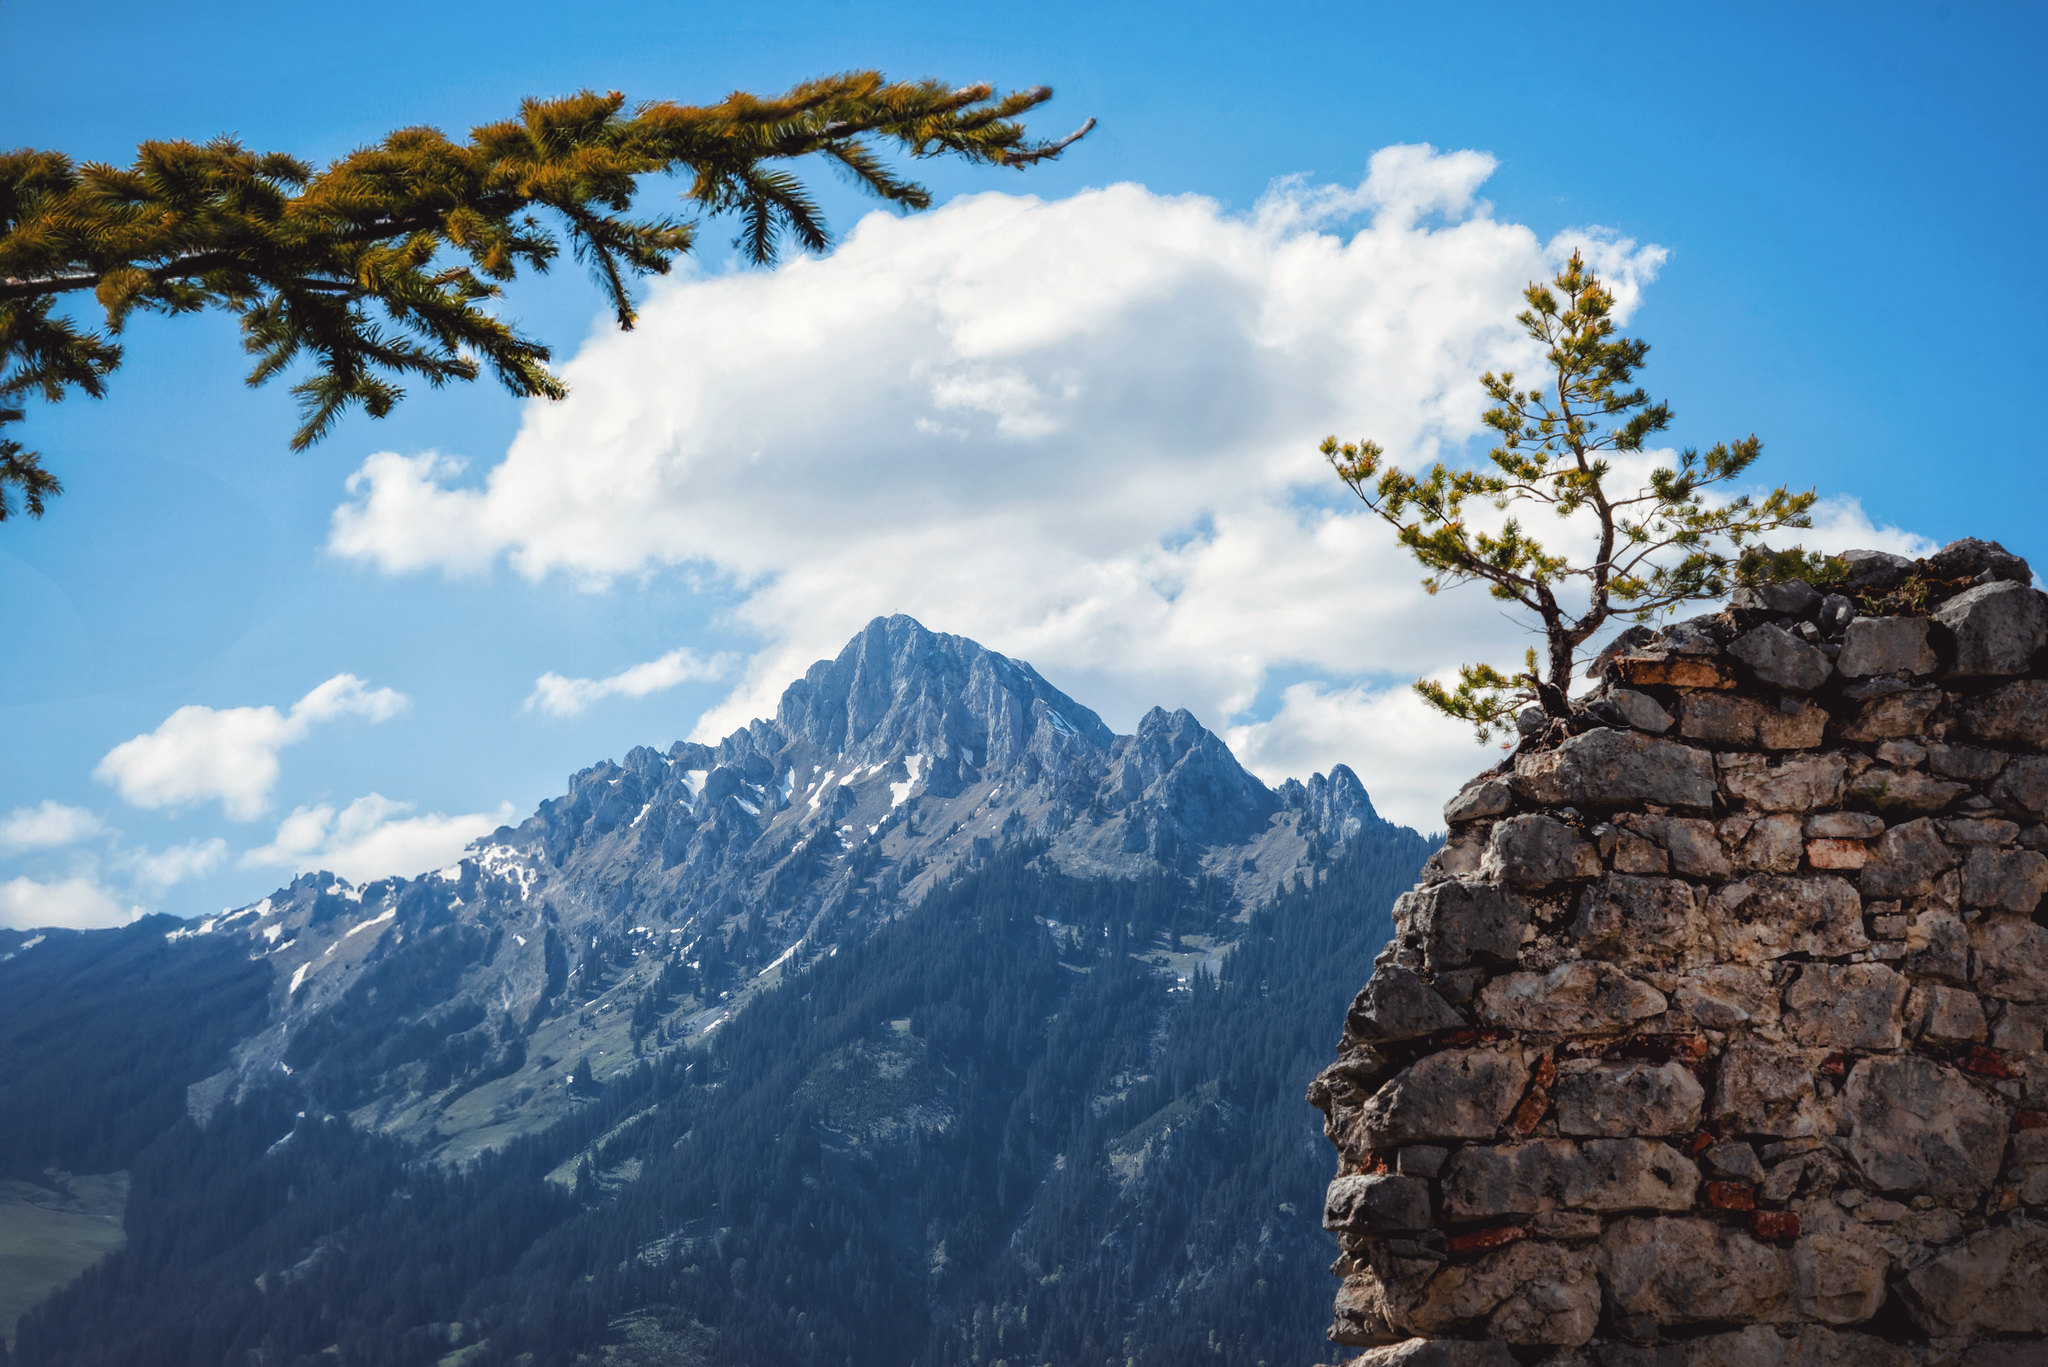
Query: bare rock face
pixel 1718 1035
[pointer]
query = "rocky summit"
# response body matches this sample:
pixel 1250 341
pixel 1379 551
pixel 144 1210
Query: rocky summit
pixel 928 1022
pixel 640 909
pixel 1713 1035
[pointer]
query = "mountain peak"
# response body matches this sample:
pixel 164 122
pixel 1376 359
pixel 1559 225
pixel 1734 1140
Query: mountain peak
pixel 898 689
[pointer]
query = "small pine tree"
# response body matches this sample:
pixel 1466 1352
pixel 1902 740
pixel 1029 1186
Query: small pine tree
pixel 1662 545
pixel 387 263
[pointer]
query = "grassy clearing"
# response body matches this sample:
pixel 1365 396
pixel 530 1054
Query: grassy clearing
pixel 50 1234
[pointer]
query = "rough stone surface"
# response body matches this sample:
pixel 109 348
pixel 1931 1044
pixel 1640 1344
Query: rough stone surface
pixel 1768 1089
pixel 1456 1094
pixel 1638 921
pixel 1463 921
pixel 1611 768
pixel 1398 1004
pixel 1846 1006
pixel 1680 1271
pixel 1575 998
pixel 1718 1036
pixel 1535 851
pixel 1733 719
pixel 1887 645
pixel 1993 1283
pixel 1998 628
pixel 1781 659
pixel 1627 1098
pixel 1437 1353
pixel 1916 1126
pixel 1641 711
pixel 1376 1203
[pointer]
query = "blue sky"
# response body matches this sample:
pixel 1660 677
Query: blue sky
pixel 1831 217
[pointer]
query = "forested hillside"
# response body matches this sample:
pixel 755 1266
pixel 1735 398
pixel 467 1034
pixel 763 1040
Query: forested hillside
pixel 1003 1127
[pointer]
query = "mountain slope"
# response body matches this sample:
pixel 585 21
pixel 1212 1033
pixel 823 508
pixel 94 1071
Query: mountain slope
pixel 638 910
pixel 928 1022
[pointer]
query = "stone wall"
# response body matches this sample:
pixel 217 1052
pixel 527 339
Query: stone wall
pixel 1713 1036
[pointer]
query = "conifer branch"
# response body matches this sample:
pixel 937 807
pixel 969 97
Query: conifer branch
pixel 385 264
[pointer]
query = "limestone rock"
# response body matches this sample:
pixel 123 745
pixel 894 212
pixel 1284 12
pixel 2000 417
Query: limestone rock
pixel 1801 783
pixel 1768 1089
pixel 1793 598
pixel 1635 1097
pixel 1991 1284
pixel 1905 790
pixel 1535 851
pixel 1608 767
pixel 1938 946
pixel 1485 1182
pixel 1946 1015
pixel 1583 998
pixel 1463 921
pixel 1363 1315
pixel 1630 1174
pixel 1888 716
pixel 1845 1006
pixel 1998 628
pixel 1528 1293
pixel 1641 711
pixel 1875 571
pixel 1455 1094
pixel 1845 826
pixel 1694 845
pixel 1767 917
pixel 1555 1297
pixel 1916 1126
pixel 1970 558
pixel 1639 921
pixel 1773 844
pixel 1486 796
pixel 1732 719
pixel 1781 659
pixel 1376 1203
pixel 1723 996
pixel 1436 1353
pixel 1397 1004
pixel 2009 959
pixel 1906 860
pixel 1966 762
pixel 2006 880
pixel 1886 645
pixel 2015 714
pixel 2025 784
pixel 1680 1271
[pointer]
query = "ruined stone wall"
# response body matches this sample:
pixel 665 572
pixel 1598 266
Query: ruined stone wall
pixel 1713 1036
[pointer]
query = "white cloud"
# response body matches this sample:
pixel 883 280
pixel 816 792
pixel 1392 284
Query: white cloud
pixel 1083 432
pixel 372 838
pixel 565 697
pixel 72 903
pixel 47 826
pixel 200 754
pixel 161 870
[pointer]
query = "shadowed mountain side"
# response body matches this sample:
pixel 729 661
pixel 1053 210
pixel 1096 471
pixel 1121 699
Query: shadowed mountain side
pixel 640 909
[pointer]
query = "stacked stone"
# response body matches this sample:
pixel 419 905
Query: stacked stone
pixel 1713 1036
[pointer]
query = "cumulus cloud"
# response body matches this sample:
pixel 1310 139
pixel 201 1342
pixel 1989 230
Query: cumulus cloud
pixel 162 869
pixel 558 696
pixel 202 754
pixel 47 826
pixel 371 838
pixel 76 903
pixel 1082 431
